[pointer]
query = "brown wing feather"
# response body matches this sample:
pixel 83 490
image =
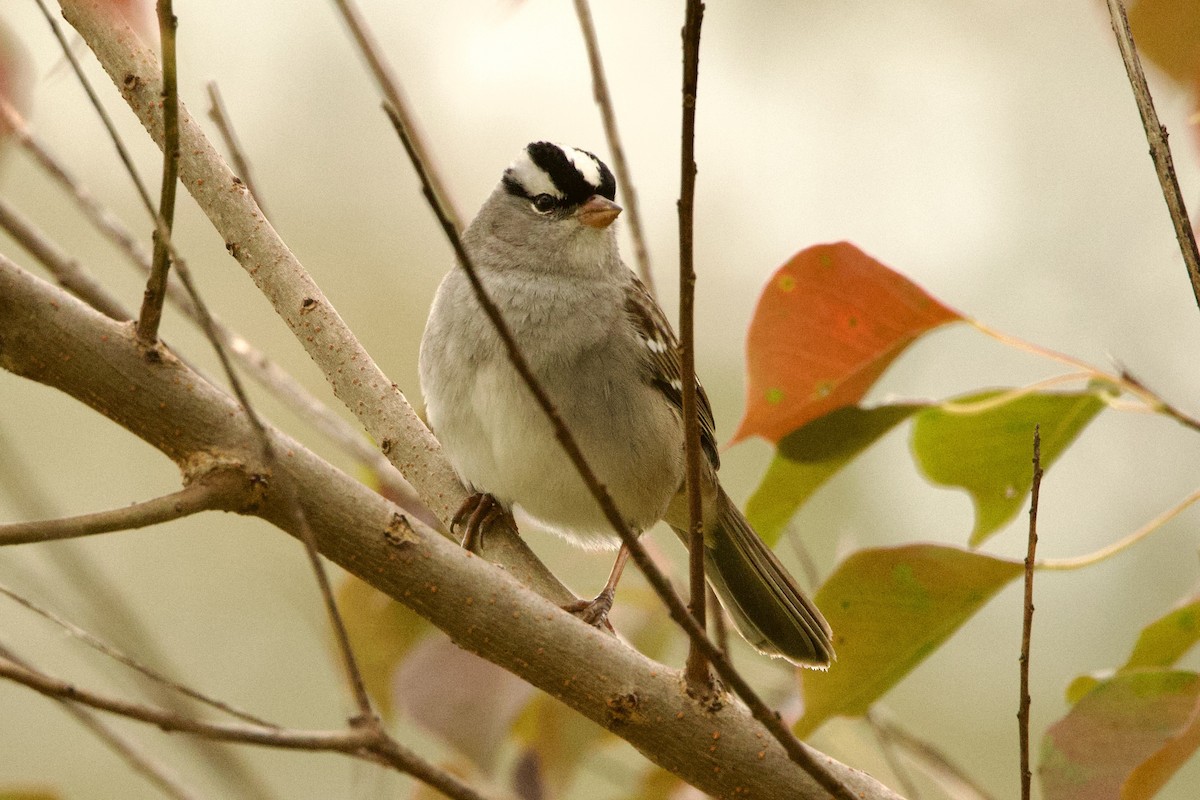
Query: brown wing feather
pixel 662 361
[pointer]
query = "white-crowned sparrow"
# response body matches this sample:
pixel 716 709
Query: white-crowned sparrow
pixel 608 359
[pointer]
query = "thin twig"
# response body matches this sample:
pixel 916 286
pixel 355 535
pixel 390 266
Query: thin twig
pixel 1027 618
pixel 609 119
pixel 394 95
pixel 934 761
pixel 101 646
pixel 1160 152
pixel 104 220
pixel 191 499
pixel 99 107
pixel 1123 380
pixel 697 668
pixel 109 609
pixel 270 375
pixel 292 502
pixel 137 759
pixel 241 164
pixel 887 747
pixel 1158 404
pixel 246 733
pixel 796 751
pixel 160 265
pixel 70 275
pixel 163 239
pixel 363 742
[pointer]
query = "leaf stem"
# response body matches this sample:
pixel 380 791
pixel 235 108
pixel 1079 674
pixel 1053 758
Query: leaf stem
pixel 1079 562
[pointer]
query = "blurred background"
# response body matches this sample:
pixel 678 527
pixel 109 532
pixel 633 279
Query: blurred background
pixel 990 152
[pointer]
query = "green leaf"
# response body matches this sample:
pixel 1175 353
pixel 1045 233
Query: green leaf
pixel 1161 644
pixel 890 608
pixel 987 449
pixel 808 457
pixel 1164 641
pixel 1124 739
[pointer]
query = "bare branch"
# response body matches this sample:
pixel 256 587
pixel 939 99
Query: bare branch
pixel 95 359
pixel 65 269
pixel 608 117
pixel 355 377
pixel 104 220
pixel 1160 152
pixel 274 378
pixel 933 760
pixel 105 603
pixel 366 742
pixel 342 741
pixel 137 759
pixel 1027 617
pixel 396 99
pixel 69 54
pixel 160 265
pixel 223 491
pixel 241 164
pixel 654 576
pixel 103 647
pixel 697 666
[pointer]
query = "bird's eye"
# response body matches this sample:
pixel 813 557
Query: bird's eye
pixel 544 203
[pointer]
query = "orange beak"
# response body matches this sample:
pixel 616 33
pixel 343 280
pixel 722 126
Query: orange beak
pixel 598 212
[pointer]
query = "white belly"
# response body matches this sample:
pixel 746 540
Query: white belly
pixel 503 444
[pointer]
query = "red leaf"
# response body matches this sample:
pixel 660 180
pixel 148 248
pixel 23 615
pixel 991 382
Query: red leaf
pixel 827 325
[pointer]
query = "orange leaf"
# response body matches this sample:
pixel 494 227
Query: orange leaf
pixel 827 325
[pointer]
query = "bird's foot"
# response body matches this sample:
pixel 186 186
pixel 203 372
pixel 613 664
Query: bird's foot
pixel 594 611
pixel 476 515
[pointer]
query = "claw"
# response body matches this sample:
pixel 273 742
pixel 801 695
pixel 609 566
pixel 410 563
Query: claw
pixel 479 511
pixel 595 611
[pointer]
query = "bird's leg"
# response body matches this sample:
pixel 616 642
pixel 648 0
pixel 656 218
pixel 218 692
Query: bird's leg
pixel 595 611
pixel 479 511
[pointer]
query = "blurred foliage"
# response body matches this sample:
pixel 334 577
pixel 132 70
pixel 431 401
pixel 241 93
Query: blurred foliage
pixel 890 608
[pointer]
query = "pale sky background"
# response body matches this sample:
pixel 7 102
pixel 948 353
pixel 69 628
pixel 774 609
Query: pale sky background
pixel 991 152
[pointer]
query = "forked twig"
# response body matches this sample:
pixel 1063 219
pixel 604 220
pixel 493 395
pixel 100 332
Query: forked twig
pixel 361 742
pixel 270 375
pixel 366 715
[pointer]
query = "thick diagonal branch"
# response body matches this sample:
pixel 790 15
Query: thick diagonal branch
pixel 49 336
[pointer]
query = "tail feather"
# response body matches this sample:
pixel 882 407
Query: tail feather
pixel 767 607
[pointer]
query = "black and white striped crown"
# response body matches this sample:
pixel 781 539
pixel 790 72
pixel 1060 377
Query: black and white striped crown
pixel 567 174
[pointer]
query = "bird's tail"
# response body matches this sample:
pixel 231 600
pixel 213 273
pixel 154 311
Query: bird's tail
pixel 768 608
